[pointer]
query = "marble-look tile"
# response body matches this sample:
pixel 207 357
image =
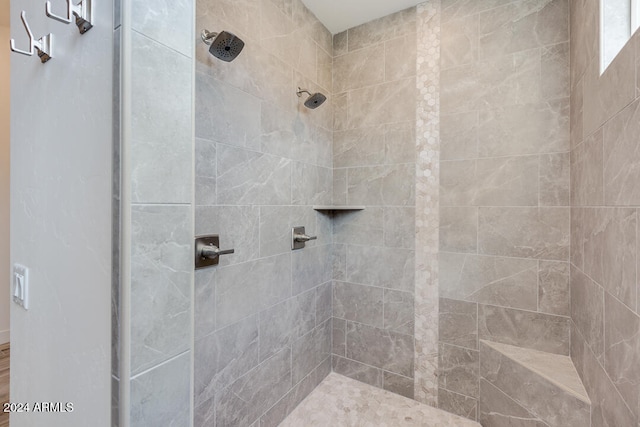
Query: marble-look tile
pixel 339 187
pixel 398 384
pixel 399 311
pixel 358 371
pixel 306 21
pixel 584 19
pixel 382 29
pixel 497 409
pixel 389 102
pixel 341 43
pixel 361 68
pixel 498 86
pixel 362 146
pixel 359 227
pixel 555 71
pixel 226 114
pixel 458 323
pixel 520 26
pixel 161 152
pixel 508 282
pixel 204 302
pixel 161 281
pixel 382 185
pixel 459 229
pixel 275 227
pixel 381 348
pixel 607 93
pixel 237 226
pixel 339 262
pixel 459 45
pixel 338 336
pixel 505 181
pixel 278 412
pixel 340 102
pixel 554 176
pixel 250 396
pixel 206 172
pixel 310 184
pixel 248 288
pixel 622 350
pixel 324 302
pixel 457 404
pixel 607 405
pixel 310 350
pixel 396 272
pixel 249 177
pixel 500 232
pixel 399 142
pixel 538 331
pixel 610 250
pixel 358 303
pixel 587 310
pixel 542 396
pixel 161 396
pixel 325 69
pixel 622 158
pixel 578 234
pixel 459 136
pixel 553 288
pixel 168 22
pixel 576 124
pixel 280 131
pixel 453 9
pixel 459 370
pixel 587 166
pixel 400 57
pixel 285 322
pixel 531 128
pixel 310 267
pixel 399 227
pixel 222 357
pixel 242 16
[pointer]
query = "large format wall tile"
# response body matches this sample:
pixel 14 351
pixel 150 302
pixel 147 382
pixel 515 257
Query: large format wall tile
pixel 161 396
pixel 498 409
pixel 161 153
pixel 383 349
pixel 587 310
pixel 382 29
pixel 553 287
pixel 459 229
pixel 396 272
pixel 458 324
pixel 524 329
pixel 381 185
pixel 168 22
pixel 547 236
pixel 358 69
pixel 358 303
pixel 459 370
pixel 587 166
pixel 161 266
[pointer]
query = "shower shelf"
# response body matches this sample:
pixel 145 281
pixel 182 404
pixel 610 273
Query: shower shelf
pixel 336 209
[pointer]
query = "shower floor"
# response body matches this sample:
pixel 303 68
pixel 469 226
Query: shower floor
pixel 339 401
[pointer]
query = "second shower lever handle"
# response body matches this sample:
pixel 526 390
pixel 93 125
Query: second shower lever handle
pixel 207 251
pixel 304 237
pixel 211 251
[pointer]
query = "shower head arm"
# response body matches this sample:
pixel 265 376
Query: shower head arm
pixel 301 91
pixel 208 36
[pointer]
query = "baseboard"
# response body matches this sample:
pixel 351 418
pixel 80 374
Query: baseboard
pixel 4 336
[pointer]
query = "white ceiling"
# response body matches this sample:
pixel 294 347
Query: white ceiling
pixel 340 15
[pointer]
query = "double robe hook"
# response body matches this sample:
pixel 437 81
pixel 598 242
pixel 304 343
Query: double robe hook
pixel 43 45
pixel 83 13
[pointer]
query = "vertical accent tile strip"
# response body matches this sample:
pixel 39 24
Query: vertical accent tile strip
pixel 427 202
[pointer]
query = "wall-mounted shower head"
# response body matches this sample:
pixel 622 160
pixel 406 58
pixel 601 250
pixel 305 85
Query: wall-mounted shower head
pixel 225 45
pixel 315 99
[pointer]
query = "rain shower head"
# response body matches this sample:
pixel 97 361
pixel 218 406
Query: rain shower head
pixel 225 45
pixel 315 99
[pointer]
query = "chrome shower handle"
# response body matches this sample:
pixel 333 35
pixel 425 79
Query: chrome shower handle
pixel 211 251
pixel 303 237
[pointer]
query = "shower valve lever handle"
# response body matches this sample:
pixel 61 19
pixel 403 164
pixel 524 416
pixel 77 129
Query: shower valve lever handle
pixel 303 237
pixel 211 251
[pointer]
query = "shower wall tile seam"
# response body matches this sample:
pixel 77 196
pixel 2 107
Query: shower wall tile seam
pixel 160 364
pixel 382 370
pixel 355 322
pixel 141 33
pixel 503 256
pixel 604 289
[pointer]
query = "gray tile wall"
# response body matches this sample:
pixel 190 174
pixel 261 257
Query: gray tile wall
pixel 504 185
pixel 605 117
pixel 374 92
pixel 263 315
pixel 157 201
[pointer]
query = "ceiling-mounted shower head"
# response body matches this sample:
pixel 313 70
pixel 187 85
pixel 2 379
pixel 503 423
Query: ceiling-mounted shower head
pixel 315 99
pixel 225 45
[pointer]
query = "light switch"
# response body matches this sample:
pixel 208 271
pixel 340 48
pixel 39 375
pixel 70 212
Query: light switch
pixel 21 285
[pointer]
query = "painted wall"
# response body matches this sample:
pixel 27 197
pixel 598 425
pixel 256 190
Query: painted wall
pixel 605 196
pixel 374 160
pixel 263 316
pixel 61 219
pixel 504 229
pixel 5 271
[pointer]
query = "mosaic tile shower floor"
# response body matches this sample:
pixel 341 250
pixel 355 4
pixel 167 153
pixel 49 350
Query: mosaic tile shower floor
pixel 342 402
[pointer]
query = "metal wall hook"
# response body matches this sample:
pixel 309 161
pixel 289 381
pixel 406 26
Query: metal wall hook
pixel 82 11
pixel 44 45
